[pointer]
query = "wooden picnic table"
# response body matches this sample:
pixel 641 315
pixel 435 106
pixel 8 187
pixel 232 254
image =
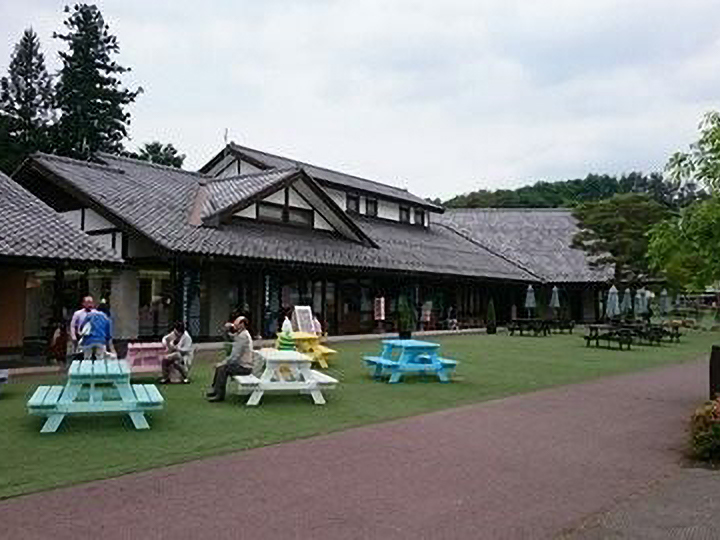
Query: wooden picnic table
pixel 609 333
pixel 285 371
pixel 539 327
pixel 95 387
pixel 400 356
pixel 309 343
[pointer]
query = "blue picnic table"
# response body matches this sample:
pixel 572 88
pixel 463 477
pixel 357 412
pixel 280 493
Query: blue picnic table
pixel 400 356
pixel 95 387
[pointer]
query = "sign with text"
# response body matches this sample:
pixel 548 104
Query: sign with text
pixel 303 319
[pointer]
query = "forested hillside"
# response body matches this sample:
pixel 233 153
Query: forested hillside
pixel 569 193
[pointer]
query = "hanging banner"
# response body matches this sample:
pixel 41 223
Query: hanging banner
pixel 379 308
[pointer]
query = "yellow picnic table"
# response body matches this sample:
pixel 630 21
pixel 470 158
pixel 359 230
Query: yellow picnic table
pixel 309 344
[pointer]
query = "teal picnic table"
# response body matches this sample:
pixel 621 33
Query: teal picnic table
pixel 95 387
pixel 400 356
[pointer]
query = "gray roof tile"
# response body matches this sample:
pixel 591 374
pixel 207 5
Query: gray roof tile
pixel 339 179
pixel 30 228
pixel 158 202
pixel 537 239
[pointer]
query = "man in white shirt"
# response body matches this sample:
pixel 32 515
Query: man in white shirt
pixel 178 345
pixel 78 320
pixel 240 361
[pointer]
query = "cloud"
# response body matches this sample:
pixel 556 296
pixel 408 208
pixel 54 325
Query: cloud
pixel 440 98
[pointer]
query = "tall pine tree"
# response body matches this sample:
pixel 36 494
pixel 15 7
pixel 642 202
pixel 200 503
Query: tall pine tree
pixel 90 96
pixel 26 103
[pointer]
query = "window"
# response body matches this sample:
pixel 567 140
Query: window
pixel 419 217
pixel 404 214
pixel 300 216
pixel 270 212
pixel 281 214
pixel 353 203
pixel 371 207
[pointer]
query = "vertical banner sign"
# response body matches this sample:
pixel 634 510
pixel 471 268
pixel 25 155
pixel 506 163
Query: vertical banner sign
pixel 379 311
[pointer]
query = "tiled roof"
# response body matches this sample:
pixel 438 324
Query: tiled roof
pixel 158 201
pixel 537 239
pixel 331 177
pixel 223 193
pixel 29 228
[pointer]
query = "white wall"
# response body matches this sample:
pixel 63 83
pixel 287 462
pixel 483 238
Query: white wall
pixel 337 196
pixel 297 201
pixel 94 221
pixel 250 212
pixel 388 210
pixel 277 198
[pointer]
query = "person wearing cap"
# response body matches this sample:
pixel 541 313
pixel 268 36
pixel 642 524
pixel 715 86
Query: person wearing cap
pixel 240 361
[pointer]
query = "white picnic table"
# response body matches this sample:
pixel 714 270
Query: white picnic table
pixel 285 371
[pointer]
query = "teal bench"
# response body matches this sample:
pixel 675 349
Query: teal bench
pixel 95 387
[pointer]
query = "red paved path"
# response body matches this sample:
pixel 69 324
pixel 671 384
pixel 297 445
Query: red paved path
pixel 522 467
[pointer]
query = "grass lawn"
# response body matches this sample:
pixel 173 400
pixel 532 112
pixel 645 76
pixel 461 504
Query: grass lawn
pixel 87 448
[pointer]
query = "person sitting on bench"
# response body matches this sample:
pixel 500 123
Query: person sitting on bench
pixel 240 361
pixel 178 345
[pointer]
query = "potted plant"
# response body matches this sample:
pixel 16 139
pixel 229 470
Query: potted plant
pixel 491 324
pixel 405 318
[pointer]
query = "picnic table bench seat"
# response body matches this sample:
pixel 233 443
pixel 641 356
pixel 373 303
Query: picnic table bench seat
pixel 246 384
pixel 45 397
pixel 3 377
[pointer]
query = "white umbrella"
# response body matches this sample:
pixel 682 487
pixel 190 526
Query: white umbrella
pixel 530 298
pixel 612 309
pixel 640 302
pixel 664 302
pixel 626 304
pixel 555 298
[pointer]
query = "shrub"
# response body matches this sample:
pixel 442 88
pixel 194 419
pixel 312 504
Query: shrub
pixel 406 319
pixel 705 431
pixel 491 314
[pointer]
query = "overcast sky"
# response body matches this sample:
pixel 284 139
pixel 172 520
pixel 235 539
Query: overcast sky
pixel 439 97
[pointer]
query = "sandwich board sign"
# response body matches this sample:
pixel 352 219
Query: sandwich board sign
pixel 303 319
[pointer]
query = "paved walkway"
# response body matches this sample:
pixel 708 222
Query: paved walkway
pixel 687 506
pixel 529 466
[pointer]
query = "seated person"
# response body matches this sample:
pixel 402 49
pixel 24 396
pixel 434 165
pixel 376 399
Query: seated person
pixel 96 339
pixel 178 345
pixel 240 361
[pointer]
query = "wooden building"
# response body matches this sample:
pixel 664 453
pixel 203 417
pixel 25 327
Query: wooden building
pixel 262 233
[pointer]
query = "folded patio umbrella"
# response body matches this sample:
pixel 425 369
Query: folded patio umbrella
pixel 664 302
pixel 640 302
pixel 530 298
pixel 555 298
pixel 626 304
pixel 612 309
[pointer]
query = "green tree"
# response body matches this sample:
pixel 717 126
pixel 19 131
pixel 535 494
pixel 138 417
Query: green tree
pixel 90 96
pixel 684 248
pixel 156 152
pixel 26 103
pixel 701 163
pixel 614 232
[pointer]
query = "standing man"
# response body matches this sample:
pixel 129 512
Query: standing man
pixel 78 320
pixel 240 361
pixel 98 339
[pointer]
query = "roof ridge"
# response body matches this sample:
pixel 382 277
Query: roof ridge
pixel 278 170
pixel 143 162
pixel 509 209
pixel 297 161
pixel 84 163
